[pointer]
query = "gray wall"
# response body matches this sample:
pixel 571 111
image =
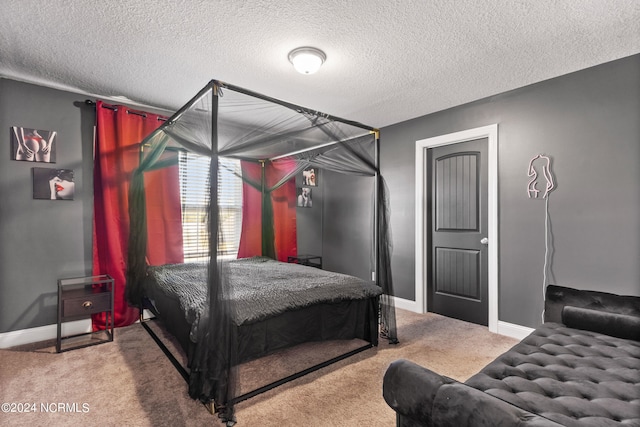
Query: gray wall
pixel 309 220
pixel 589 123
pixel 42 240
pixel 348 224
pixel 339 225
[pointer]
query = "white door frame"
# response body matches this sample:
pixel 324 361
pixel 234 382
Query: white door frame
pixel 491 133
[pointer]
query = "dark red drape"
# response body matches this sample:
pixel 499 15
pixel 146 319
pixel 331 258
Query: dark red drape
pixel 251 234
pixel 283 201
pixel 164 216
pixel 117 155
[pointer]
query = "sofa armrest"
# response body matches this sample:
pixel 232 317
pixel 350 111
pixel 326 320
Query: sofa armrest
pixel 422 397
pixel 410 389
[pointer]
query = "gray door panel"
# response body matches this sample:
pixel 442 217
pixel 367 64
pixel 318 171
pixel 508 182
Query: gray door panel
pixel 458 280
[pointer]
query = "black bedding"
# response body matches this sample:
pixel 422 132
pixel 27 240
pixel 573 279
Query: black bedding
pixel 276 304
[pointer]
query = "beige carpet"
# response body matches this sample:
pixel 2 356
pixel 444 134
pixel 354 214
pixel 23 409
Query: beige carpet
pixel 131 382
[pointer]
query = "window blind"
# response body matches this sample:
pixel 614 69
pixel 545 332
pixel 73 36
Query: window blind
pixel 194 195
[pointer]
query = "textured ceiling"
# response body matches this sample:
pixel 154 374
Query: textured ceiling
pixel 387 60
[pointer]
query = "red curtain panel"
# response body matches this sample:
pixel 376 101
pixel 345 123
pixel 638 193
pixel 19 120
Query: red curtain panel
pixel 283 201
pixel 164 215
pixel 119 132
pixel 251 233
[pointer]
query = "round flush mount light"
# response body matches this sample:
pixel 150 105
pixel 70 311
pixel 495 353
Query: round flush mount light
pixel 307 60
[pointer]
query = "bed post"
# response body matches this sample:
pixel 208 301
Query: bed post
pixel 218 307
pixel 210 407
pixel 264 250
pixel 213 185
pixel 376 236
pixel 214 211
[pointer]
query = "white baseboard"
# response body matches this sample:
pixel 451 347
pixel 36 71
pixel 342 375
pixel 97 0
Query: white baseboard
pixel 43 333
pixel 504 328
pixel 512 330
pixel 146 315
pixel 406 304
pixel 49 332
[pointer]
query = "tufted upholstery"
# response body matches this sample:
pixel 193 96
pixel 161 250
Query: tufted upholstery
pixel 580 368
pixel 571 376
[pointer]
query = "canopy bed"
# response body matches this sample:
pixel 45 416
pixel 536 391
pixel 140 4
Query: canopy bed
pixel 227 311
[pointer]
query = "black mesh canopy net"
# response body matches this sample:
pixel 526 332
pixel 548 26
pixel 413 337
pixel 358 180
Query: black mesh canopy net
pixel 227 122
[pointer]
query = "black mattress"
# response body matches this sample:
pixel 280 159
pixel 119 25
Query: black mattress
pixel 277 305
pixel 571 376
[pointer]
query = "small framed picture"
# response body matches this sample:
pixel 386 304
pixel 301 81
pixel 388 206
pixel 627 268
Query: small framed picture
pixel 53 184
pixel 304 197
pixel 309 177
pixel 33 145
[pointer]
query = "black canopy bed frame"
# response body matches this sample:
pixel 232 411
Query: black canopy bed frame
pixel 223 120
pixel 286 314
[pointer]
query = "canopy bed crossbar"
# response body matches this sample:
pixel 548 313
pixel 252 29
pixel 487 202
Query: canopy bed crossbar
pixel 225 121
pixel 210 405
pixel 299 374
pixel 289 105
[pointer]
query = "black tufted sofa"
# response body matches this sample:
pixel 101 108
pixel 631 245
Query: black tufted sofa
pixel 580 368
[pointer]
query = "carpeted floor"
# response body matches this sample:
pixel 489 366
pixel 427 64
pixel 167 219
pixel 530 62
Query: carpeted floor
pixel 131 382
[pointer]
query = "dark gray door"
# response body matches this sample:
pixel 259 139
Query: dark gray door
pixel 457 284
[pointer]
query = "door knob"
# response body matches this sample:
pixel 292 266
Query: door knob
pixel 484 241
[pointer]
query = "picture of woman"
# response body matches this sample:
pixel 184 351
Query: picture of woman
pixel 33 145
pixel 53 184
pixel 309 177
pixel 304 197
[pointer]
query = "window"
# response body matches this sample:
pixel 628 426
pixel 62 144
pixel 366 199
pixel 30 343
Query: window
pixel 194 196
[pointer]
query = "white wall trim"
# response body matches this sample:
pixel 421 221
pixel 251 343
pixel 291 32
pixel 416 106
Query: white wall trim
pixel 504 328
pixel 512 330
pixel 491 133
pixel 408 305
pixel 43 333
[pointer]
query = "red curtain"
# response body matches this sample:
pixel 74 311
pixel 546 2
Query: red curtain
pixel 251 234
pixel 117 155
pixel 164 216
pixel 283 201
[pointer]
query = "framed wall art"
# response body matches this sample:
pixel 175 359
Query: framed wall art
pixel 304 197
pixel 310 177
pixel 53 184
pixel 33 145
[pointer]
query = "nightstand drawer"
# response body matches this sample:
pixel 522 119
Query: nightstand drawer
pixel 79 298
pixel 87 304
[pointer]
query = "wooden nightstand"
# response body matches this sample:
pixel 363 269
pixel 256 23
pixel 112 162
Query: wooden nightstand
pixel 79 298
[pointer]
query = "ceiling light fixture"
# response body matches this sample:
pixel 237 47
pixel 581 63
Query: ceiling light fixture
pixel 307 60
